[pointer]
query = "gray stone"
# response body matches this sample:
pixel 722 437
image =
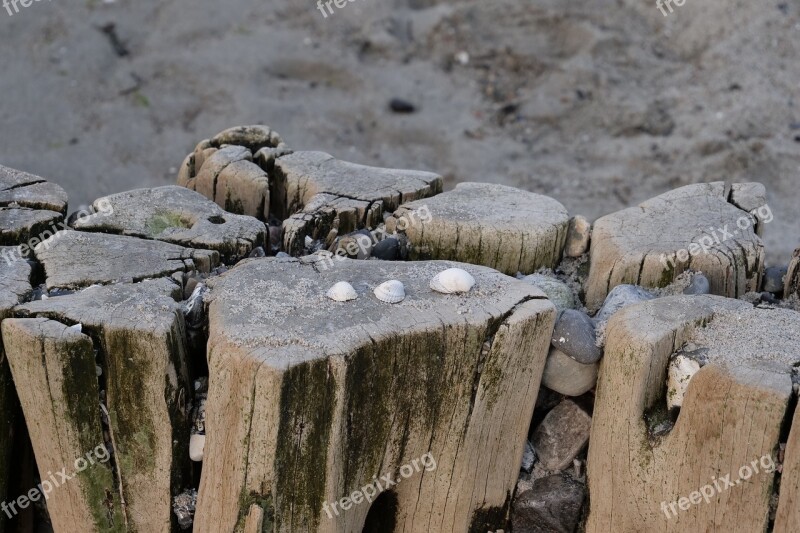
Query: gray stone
pixel 562 435
pixel 698 285
pixel 621 296
pixel 74 259
pixel 774 279
pixel 388 249
pixel 553 505
pixel 558 292
pixel 567 376
pixel 575 336
pixel 177 215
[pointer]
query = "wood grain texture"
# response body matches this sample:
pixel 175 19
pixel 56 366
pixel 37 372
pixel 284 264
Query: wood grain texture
pixel 501 227
pixel 651 244
pixel 732 415
pixel 310 399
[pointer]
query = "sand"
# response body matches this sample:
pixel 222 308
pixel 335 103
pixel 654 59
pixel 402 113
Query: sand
pixel 599 104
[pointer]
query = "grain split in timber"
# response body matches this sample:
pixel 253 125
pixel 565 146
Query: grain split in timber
pixel 136 333
pixel 29 205
pixel 731 418
pixel 698 227
pixel 325 197
pixel 176 215
pixel 311 399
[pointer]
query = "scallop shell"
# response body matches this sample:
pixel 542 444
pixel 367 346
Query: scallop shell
pixel 342 292
pixel 452 280
pixel 390 292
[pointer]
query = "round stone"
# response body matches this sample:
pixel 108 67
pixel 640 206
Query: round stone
pixel 558 292
pixel 388 249
pixel 621 296
pixel 566 376
pixel 574 335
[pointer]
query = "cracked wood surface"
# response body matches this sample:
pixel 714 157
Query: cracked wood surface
pixel 54 369
pixel 231 169
pixel 177 215
pixel 74 259
pixel 139 333
pixel 29 205
pixel 309 399
pixel 501 227
pixel 320 193
pixel 732 414
pixel 644 245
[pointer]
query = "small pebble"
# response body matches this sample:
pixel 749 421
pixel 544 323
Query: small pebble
pixel 578 236
pixel 283 255
pixel 258 252
pixel 553 504
pixel 773 279
pixel 698 285
pixel 679 373
pixel 562 435
pixel 621 296
pixel 399 105
pixel 566 376
pixel 388 249
pixel 558 293
pixel 574 335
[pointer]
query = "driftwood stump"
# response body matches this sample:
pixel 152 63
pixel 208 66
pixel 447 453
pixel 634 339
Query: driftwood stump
pixel 324 197
pixel 231 169
pixel 176 215
pixel 135 334
pixel 311 399
pixel 643 479
pixel 694 227
pixel 485 224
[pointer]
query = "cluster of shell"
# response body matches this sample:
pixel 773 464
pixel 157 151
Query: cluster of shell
pixel 450 281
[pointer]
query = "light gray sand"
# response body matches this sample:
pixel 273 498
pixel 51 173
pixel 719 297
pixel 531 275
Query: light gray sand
pixel 600 104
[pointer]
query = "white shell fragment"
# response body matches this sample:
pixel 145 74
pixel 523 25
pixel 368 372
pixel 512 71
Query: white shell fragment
pixel 342 292
pixel 390 292
pixel 452 280
pixel 680 372
pixel 197 444
pixel 77 327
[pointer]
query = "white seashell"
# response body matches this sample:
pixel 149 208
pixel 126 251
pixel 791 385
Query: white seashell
pixel 390 292
pixel 452 280
pixel 77 327
pixel 197 443
pixel 308 241
pixel 342 292
pixel 680 372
